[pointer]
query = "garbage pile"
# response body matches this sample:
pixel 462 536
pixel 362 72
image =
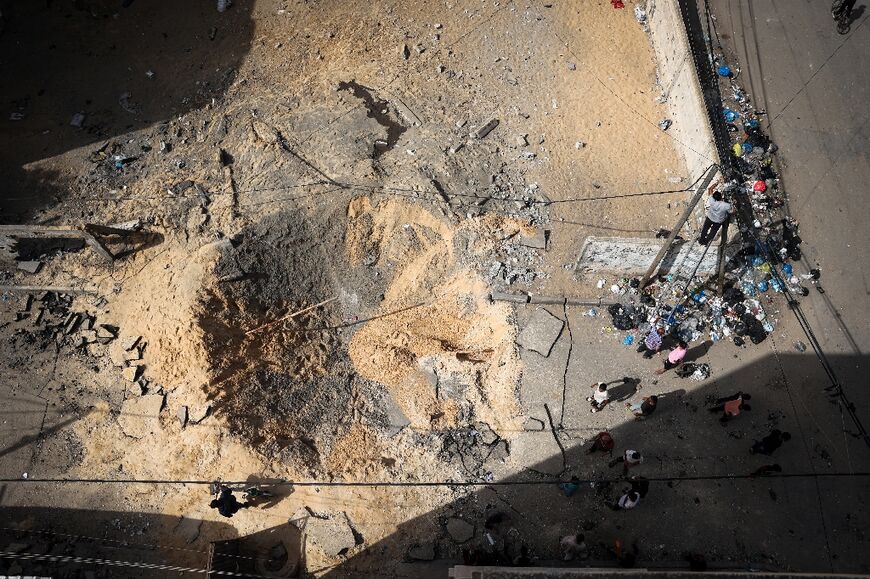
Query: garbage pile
pixel 688 310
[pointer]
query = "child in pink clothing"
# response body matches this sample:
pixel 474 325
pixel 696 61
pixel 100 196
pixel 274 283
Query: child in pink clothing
pixel 675 357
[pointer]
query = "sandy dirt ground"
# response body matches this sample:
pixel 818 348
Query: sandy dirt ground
pixel 279 155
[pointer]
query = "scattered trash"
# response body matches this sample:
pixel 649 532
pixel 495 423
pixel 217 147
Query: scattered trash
pixel 665 124
pixel 617 3
pixel 800 346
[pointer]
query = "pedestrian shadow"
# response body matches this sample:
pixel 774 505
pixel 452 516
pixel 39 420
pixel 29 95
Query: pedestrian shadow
pixel 697 352
pixel 625 389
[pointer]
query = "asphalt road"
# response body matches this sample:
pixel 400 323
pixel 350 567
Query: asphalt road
pixel 814 85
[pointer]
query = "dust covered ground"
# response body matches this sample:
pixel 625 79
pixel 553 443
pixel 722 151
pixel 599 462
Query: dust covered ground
pixel 280 155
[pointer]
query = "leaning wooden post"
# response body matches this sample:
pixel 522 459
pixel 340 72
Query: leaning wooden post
pixel 711 172
pixel 722 244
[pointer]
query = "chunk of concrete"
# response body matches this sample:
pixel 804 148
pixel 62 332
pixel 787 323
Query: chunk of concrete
pixel 333 535
pixel 536 241
pixel 141 416
pixel 130 373
pixel 29 266
pixel 541 332
pixel 485 129
pixel 459 530
pixel 188 529
pixel 396 419
pixel 182 415
pixel 130 342
pixel 424 552
pixel 197 414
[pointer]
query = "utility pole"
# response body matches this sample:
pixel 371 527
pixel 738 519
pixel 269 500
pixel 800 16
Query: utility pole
pixel 723 241
pixel 705 182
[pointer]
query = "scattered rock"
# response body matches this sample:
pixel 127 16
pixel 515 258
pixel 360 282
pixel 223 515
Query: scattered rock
pixel 485 129
pixel 182 415
pixel 130 373
pixel 333 535
pixel 396 419
pixel 424 552
pixel 459 530
pixel 198 413
pixel 522 140
pixel 406 52
pixel 541 332
pixel 130 342
pixel 572 66
pixel 533 424
pixel 29 266
pixel 141 416
pixel 536 241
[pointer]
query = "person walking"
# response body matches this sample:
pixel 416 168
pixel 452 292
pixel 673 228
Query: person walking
pixel 675 357
pixel 652 343
pixel 770 443
pixel 603 442
pixel 643 408
pixel 731 406
pixel 627 501
pixel 600 398
pixel 629 459
pixel 717 213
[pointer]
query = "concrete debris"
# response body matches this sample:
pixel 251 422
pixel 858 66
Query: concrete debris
pixel 396 419
pixel 533 424
pixel 485 129
pixel 459 530
pixel 406 52
pixel 130 373
pixel 107 332
pixel 424 552
pixel 30 266
pixel 197 414
pixel 333 535
pixel 181 414
pixel 541 332
pixel 141 416
pixel 536 241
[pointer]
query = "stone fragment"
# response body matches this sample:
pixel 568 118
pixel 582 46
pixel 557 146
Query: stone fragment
pixel 459 530
pixel 130 373
pixel 333 535
pixel 132 355
pixel 406 52
pixel 197 414
pixel 536 241
pixel 130 342
pixel 533 424
pixel 424 552
pixel 30 266
pixel 541 332
pixel 396 419
pixel 90 336
pixel 141 416
pixel 485 129
pixel 182 415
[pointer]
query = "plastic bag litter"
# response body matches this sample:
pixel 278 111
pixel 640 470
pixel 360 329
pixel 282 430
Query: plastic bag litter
pixel 702 372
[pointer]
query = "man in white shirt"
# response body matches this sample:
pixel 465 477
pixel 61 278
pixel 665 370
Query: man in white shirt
pixel 600 398
pixel 717 212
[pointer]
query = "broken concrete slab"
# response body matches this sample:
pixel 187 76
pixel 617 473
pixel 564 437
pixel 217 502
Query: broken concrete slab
pixel 396 419
pixel 181 414
pixel 130 342
pixel 132 355
pixel 333 535
pixel 197 414
pixel 130 373
pixel 459 530
pixel 536 241
pixel 188 529
pixel 30 266
pixel 543 380
pixel 533 424
pixel 635 255
pixel 541 332
pixel 141 416
pixel 453 386
pixel 424 552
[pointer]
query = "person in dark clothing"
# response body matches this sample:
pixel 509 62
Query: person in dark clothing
pixel 770 443
pixel 226 503
pixel 639 484
pixel 844 9
pixel 643 408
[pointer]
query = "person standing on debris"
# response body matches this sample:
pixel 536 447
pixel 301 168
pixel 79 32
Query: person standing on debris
pixel 717 212
pixel 627 501
pixel 675 357
pixel 603 442
pixel 643 408
pixel 731 406
pixel 600 398
pixel 628 459
pixel 574 547
pixel 652 343
pixel 770 443
pixel 226 502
